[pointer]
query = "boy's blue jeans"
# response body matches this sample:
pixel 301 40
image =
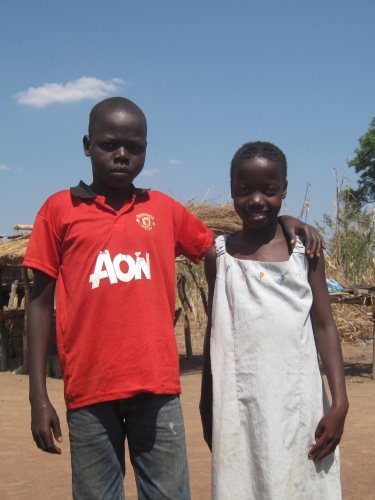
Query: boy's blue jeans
pixel 154 427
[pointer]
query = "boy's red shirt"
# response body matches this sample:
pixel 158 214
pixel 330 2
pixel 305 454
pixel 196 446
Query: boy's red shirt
pixel 115 276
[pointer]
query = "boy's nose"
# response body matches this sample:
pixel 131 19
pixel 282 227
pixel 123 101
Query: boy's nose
pixel 122 152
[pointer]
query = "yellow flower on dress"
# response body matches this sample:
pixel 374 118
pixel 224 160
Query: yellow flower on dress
pixel 261 274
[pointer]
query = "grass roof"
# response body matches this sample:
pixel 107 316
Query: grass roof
pixel 222 219
pixel 13 252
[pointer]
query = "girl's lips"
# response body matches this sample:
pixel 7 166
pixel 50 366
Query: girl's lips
pixel 256 215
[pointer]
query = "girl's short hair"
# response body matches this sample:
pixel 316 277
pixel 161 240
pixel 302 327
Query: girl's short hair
pixel 258 149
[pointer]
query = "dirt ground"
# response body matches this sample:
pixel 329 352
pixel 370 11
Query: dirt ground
pixel 26 472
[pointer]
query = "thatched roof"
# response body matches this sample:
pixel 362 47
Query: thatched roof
pixel 222 219
pixel 13 252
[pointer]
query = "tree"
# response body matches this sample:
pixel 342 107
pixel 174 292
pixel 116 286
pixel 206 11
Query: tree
pixel 350 241
pixel 364 164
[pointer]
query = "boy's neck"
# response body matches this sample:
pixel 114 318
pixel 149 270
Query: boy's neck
pixel 114 197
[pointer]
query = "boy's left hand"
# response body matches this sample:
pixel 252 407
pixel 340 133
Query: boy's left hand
pixel 314 242
pixel 328 433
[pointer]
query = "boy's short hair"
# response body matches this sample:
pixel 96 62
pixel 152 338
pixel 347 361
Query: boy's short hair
pixel 258 149
pixel 113 104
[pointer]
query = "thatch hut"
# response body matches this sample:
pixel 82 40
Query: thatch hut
pixel 15 284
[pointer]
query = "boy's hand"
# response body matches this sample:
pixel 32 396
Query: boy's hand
pixel 328 433
pixel 314 242
pixel 43 419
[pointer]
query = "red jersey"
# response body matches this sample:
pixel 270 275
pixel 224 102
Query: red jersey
pixel 115 276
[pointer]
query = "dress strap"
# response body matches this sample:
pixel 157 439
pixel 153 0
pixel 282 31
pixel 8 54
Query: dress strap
pixel 220 244
pixel 299 247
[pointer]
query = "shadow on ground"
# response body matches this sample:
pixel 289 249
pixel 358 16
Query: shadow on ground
pixel 192 365
pixel 357 369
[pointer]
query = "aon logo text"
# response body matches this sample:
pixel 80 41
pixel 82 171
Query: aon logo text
pixel 105 268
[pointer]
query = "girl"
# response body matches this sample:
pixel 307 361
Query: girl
pixel 265 414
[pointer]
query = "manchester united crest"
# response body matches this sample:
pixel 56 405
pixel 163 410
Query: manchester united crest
pixel 146 221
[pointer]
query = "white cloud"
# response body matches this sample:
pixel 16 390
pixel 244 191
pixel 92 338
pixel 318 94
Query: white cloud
pixel 4 167
pixel 150 172
pixel 83 88
pixel 175 162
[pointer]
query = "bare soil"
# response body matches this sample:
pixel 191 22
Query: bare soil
pixel 26 472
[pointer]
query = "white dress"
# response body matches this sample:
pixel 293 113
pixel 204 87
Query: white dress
pixel 268 394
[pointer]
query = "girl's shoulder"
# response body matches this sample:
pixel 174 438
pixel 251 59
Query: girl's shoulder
pixel 220 244
pixel 299 246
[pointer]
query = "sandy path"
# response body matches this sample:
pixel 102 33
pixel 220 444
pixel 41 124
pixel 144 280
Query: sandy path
pixel 25 472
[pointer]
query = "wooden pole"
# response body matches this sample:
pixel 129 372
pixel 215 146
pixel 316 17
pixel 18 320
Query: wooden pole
pixel 200 287
pixel 177 315
pixel 181 280
pixel 13 292
pixel 26 281
pixel 3 330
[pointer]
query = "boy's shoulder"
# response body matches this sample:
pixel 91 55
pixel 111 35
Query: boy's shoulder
pixel 57 199
pixel 161 200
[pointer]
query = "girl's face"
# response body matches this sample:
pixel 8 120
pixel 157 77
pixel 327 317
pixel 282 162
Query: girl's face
pixel 258 189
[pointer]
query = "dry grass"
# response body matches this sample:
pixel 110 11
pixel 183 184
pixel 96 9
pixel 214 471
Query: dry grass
pixel 13 252
pixel 222 219
pixel 353 322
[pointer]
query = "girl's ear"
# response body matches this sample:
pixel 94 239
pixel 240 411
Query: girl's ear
pixel 285 189
pixel 86 145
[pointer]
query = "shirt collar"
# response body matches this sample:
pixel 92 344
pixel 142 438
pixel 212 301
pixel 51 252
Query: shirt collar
pixel 84 191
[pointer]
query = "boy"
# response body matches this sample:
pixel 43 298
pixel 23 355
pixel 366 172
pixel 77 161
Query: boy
pixel 111 247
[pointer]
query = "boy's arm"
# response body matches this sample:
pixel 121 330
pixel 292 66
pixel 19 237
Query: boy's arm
pixel 40 313
pixel 205 405
pixel 314 242
pixel 331 426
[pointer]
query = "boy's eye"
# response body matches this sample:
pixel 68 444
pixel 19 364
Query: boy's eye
pixel 135 148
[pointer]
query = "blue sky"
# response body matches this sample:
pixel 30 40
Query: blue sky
pixel 209 75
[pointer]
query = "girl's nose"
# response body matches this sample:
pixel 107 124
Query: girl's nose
pixel 256 199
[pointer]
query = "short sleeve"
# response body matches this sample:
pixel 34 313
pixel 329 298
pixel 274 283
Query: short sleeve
pixel 43 250
pixel 192 237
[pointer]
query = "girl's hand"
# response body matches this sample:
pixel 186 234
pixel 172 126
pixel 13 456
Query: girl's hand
pixel 328 433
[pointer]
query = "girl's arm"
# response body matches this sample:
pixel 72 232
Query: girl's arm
pixel 331 426
pixel 205 405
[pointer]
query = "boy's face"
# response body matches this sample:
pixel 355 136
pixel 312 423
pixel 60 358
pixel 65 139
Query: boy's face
pixel 117 148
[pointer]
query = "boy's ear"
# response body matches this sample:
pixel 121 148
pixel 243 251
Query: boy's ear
pixel 86 145
pixel 285 189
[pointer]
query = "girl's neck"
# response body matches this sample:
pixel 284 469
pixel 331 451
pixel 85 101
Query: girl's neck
pixel 263 235
pixel 264 245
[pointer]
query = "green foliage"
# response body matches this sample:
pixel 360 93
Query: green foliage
pixel 364 164
pixel 350 241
